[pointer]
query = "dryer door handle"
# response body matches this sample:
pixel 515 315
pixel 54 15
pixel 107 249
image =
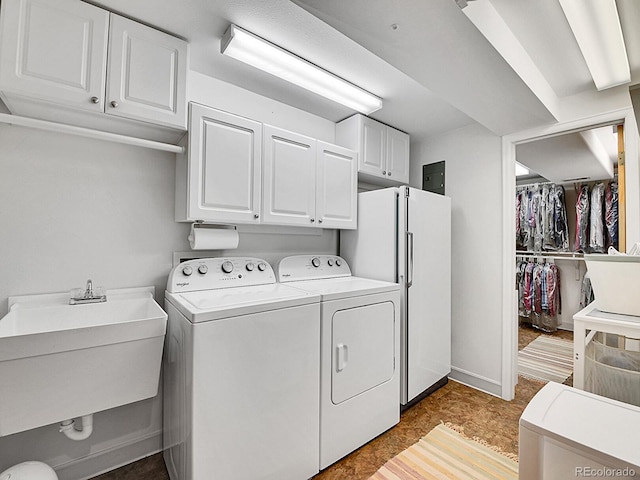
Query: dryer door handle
pixel 342 357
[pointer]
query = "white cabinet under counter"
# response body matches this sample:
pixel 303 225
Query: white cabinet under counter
pixel 383 151
pixel 72 62
pixel 238 171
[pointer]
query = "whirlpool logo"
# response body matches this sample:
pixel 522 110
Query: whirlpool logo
pixel 182 284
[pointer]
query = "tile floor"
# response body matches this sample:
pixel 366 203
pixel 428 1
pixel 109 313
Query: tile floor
pixel 480 414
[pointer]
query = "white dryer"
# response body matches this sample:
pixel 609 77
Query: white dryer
pixel 241 374
pixel 359 352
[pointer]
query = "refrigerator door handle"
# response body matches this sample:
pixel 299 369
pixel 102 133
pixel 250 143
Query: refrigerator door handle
pixel 410 267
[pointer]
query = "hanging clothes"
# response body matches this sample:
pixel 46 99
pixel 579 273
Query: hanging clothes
pixel 582 220
pixel 586 291
pixel 539 294
pixel 611 214
pixel 541 218
pixel 559 225
pixel 596 220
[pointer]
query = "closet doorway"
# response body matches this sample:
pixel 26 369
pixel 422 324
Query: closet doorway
pixel 556 168
pixel 566 206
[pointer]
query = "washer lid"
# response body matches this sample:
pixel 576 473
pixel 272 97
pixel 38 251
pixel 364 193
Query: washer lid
pixel 344 287
pixel 206 305
pixel 602 425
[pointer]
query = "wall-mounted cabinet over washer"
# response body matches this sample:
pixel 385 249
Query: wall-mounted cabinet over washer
pixel 218 178
pixel 383 151
pixel 76 56
pixel 239 171
pixel 308 182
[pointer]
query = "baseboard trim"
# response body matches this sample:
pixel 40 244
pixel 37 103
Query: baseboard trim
pixel 478 382
pixel 97 463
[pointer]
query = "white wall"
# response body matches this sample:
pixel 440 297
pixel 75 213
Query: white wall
pixel 473 177
pixel 230 98
pixel 73 208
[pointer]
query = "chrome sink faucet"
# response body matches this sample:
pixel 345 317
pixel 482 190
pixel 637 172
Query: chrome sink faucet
pixel 89 295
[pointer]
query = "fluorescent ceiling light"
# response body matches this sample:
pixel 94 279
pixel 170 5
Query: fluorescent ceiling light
pixel 255 51
pixel 596 26
pixel 521 171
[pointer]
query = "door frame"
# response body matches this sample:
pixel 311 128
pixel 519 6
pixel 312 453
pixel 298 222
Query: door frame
pixel 509 143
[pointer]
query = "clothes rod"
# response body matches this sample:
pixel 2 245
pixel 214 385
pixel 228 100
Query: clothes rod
pixel 552 255
pixel 87 132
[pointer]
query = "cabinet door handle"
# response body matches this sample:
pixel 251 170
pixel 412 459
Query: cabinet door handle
pixel 319 220
pixel 95 100
pixel 114 104
pixel 384 172
pixel 255 215
pixel 313 220
pixel 389 173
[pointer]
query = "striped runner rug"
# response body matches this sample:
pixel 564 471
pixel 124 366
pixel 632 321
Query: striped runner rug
pixel 446 454
pixel 547 359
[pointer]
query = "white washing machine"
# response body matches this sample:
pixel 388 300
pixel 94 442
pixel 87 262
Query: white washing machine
pixel 359 352
pixel 241 374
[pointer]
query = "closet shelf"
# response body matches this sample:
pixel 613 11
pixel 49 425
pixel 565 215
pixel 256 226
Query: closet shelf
pixel 87 132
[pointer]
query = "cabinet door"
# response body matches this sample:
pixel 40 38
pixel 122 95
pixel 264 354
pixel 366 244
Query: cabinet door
pixel 397 155
pixel 336 186
pixel 289 178
pixel 55 50
pixel 223 167
pixel 373 147
pixel 147 74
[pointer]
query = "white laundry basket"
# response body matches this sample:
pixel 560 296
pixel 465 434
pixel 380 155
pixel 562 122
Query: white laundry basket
pixel 616 282
pixel 612 371
pixel 29 471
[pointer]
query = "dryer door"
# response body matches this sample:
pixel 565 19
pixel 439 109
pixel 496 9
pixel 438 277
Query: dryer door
pixel 362 349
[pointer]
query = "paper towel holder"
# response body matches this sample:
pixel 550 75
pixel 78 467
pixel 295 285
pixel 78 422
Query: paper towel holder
pixel 201 224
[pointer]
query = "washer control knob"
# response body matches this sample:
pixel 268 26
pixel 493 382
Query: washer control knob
pixel 338 262
pixel 330 262
pixel 203 269
pixel 262 266
pixel 187 270
pixel 315 262
pixel 250 266
pixel 227 266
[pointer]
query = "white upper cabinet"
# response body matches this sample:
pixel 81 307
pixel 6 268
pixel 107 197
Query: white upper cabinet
pixel 218 179
pixel 289 178
pixel 336 186
pixel 239 171
pixel 55 52
pixel 374 146
pixel 397 155
pixel 383 151
pixel 308 182
pixel 147 74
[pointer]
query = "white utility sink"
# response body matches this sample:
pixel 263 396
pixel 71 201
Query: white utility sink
pixel 61 361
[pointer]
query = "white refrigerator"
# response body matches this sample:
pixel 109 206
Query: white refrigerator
pixel 404 236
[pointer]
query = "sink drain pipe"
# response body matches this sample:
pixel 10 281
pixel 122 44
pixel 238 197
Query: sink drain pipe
pixel 68 428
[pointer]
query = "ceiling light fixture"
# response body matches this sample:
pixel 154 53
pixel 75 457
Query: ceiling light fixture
pixel 257 52
pixel 596 26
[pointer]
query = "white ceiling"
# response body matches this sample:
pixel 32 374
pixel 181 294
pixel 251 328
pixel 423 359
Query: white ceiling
pixel 435 71
pixel 556 158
